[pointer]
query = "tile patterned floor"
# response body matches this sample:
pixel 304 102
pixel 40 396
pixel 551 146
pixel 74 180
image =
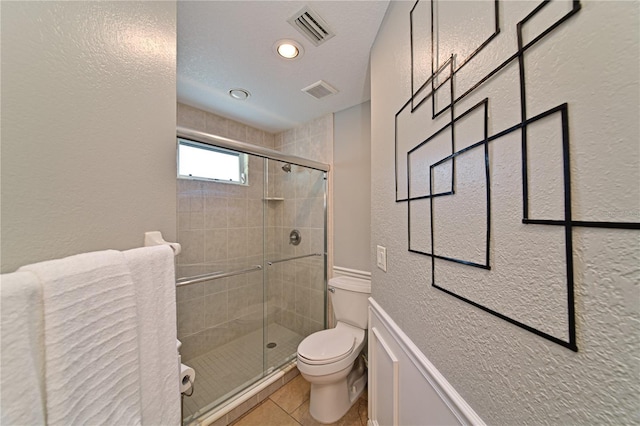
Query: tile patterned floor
pixel 230 367
pixel 289 406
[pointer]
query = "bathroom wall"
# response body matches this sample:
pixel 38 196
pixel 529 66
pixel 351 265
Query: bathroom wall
pixel 508 374
pixel 88 127
pixel 352 190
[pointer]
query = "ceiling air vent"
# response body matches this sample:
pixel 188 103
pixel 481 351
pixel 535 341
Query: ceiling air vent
pixel 311 25
pixel 320 89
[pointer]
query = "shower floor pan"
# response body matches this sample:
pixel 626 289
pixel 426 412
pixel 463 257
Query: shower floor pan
pixel 227 370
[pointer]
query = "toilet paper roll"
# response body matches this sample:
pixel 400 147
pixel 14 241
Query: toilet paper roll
pixel 187 377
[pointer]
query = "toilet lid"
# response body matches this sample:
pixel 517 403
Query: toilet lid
pixel 327 346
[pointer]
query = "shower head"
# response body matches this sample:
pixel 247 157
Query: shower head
pixel 287 168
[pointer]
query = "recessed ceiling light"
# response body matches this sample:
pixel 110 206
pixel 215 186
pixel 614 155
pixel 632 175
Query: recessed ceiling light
pixel 288 49
pixel 239 94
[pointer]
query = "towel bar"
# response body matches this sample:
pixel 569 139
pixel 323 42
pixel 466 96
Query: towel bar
pixel 214 276
pixel 154 238
pixel 271 262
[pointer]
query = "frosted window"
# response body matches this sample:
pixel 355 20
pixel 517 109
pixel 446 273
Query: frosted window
pixel 202 161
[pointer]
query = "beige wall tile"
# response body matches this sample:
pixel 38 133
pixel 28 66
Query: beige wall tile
pixel 196 220
pixel 303 274
pixel 302 300
pixel 216 309
pixel 191 117
pixel 255 240
pixel 190 316
pixel 288 136
pixel 303 212
pixel 192 247
pixel 215 212
pixel 304 247
pixel 232 190
pixel 237 213
pixel 189 292
pixel 215 286
pixel 237 243
pixel 214 337
pixel 255 209
pixel 237 131
pixel 269 140
pixel 316 275
pixel 255 136
pixel 238 303
pixel 278 140
pixel 184 220
pixel 316 305
pixel 216 248
pixel 216 125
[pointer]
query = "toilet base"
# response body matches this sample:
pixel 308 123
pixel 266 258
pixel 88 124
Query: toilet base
pixel 329 402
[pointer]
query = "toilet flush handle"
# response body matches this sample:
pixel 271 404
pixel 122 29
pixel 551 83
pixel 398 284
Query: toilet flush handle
pixel 331 289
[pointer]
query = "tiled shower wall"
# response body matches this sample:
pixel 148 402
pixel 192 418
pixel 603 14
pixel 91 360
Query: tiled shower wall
pixel 304 210
pixel 220 228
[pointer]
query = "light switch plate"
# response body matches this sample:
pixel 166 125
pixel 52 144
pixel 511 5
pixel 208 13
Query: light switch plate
pixel 381 256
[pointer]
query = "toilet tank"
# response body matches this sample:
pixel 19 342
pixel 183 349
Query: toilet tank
pixel 350 300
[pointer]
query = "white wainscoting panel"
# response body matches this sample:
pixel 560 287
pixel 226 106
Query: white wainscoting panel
pixel 405 388
pixel 339 271
pixel 384 379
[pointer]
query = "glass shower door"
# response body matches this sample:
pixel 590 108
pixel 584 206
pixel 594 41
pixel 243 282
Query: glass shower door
pixel 251 276
pixel 221 295
pixel 295 221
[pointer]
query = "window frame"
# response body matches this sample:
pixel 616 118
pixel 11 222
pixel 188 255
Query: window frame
pixel 243 161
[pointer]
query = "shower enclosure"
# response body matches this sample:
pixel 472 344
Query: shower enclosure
pixel 252 274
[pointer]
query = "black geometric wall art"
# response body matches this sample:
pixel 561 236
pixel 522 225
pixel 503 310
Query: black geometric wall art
pixel 429 165
pixel 416 116
pixel 427 35
pixel 446 188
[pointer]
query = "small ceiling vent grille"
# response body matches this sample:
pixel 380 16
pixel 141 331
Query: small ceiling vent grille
pixel 320 89
pixel 311 25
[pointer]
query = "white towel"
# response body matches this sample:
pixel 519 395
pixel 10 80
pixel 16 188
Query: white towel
pixel 91 359
pixel 22 364
pixel 152 271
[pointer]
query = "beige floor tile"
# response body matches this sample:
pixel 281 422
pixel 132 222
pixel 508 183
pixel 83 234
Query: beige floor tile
pixel 266 414
pixel 303 417
pixel 292 395
pixel 356 416
pixel 363 410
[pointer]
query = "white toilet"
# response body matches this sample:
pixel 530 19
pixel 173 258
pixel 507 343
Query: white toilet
pixel 330 359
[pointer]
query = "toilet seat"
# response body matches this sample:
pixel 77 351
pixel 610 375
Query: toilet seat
pixel 326 346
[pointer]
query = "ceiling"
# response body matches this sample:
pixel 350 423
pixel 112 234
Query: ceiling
pixel 229 44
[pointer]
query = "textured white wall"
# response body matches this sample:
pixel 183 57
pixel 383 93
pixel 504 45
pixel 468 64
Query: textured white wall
pixel 352 187
pixel 88 127
pixel 509 375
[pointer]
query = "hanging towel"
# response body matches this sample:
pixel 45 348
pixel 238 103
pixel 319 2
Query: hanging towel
pixel 22 356
pixel 90 334
pixel 153 275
